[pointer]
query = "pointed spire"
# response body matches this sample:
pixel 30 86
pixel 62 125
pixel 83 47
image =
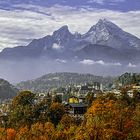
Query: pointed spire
pixel 104 23
pixel 62 32
pixel 103 20
pixel 63 29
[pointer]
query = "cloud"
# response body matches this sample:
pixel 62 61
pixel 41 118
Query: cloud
pixel 100 62
pixel 87 62
pixel 96 1
pixel 26 22
pixel 106 1
pixel 56 46
pixel 61 61
pixel 130 65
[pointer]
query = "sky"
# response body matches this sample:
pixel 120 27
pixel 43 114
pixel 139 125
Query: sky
pixel 24 20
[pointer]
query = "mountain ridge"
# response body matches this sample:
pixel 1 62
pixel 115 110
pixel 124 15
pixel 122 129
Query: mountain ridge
pixel 61 79
pixel 65 45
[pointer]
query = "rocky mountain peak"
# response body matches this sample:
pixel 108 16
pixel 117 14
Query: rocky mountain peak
pixel 104 33
pixel 103 21
pixel 104 25
pixel 62 35
pixel 62 31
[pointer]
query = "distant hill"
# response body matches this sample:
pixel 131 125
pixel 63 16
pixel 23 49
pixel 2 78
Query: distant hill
pixel 129 78
pixel 7 90
pixel 61 80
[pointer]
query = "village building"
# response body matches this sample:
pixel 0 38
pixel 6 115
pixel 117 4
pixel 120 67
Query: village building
pixel 76 109
pixel 73 99
pixel 96 88
pixel 81 99
pixel 76 106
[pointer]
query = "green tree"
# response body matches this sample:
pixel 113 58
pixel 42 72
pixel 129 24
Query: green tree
pixel 89 98
pixel 56 112
pixel 23 98
pixel 22 112
pixel 57 99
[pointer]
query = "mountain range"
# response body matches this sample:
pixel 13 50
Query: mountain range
pixel 104 41
pixel 105 49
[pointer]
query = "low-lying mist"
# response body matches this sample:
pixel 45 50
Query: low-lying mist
pixel 22 70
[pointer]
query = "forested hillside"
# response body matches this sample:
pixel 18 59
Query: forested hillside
pixel 129 78
pixel 62 80
pixel 7 90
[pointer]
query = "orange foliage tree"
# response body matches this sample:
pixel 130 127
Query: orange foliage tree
pixel 107 119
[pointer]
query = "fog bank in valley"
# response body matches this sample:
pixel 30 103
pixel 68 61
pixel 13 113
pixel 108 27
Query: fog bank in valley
pixel 22 70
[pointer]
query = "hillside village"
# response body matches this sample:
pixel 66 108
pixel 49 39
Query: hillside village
pixel 69 69
pixel 81 96
pixel 85 107
pixel 72 106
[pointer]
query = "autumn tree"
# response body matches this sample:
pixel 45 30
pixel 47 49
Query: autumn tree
pixel 67 121
pixel 11 134
pixel 136 119
pixel 107 119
